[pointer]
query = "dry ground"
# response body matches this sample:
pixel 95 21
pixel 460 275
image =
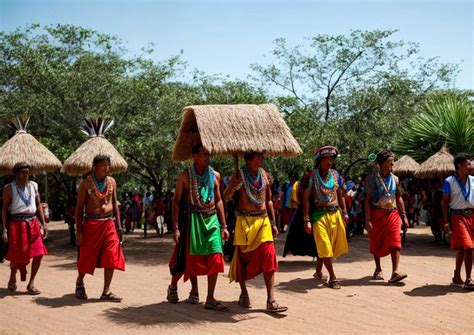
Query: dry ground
pixel 424 303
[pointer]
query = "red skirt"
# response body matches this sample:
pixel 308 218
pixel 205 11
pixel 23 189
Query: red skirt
pixel 251 264
pixel 385 234
pixel 24 243
pixel 462 227
pixel 100 247
pixel 194 265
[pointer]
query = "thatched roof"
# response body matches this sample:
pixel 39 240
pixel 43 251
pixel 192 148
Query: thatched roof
pixel 227 130
pixel 23 147
pixel 440 165
pixel 80 162
pixel 405 166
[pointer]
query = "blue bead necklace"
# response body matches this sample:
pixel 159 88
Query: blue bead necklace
pixel 101 185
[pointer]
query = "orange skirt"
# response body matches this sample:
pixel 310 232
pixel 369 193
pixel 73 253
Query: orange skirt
pixel 385 234
pixel 462 227
pixel 100 247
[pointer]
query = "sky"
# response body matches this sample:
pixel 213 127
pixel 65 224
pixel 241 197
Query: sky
pixel 227 36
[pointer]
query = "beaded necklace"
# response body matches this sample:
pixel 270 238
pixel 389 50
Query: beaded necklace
pixel 101 185
pixel 107 189
pixel 25 197
pixel 387 188
pixel 201 188
pixel 254 187
pixel 325 188
pixel 465 193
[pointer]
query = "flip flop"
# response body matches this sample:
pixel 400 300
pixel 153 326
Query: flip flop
pixel 215 306
pixel 334 284
pixel 321 277
pixel 12 286
pixel 81 291
pixel 172 295
pixel 33 290
pixel 274 307
pixel 468 285
pixel 457 281
pixel 378 275
pixel 396 277
pixel 110 297
pixel 193 298
pixel 244 301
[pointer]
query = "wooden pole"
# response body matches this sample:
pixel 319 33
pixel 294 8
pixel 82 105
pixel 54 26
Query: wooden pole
pixel 236 163
pixel 46 188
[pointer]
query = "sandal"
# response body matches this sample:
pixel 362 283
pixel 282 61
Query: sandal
pixel 12 286
pixel 81 291
pixel 378 275
pixel 456 280
pixel 172 295
pixel 215 306
pixel 274 307
pixel 468 285
pixel 321 277
pixel 334 284
pixel 193 298
pixel 396 277
pixel 244 300
pixel 110 297
pixel 32 290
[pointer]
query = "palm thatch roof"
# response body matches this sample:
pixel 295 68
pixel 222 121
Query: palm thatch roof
pixel 24 148
pixel 226 130
pixel 80 162
pixel 440 165
pixel 405 166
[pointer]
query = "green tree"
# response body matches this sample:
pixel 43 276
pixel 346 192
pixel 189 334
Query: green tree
pixel 330 66
pixel 446 119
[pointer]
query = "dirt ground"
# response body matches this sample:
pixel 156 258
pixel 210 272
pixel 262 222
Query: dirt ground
pixel 424 303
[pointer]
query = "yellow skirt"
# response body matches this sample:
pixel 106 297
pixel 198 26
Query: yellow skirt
pixel 330 235
pixel 251 231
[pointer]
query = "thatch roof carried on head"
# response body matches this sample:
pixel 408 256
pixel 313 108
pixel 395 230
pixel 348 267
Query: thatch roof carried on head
pixel 226 130
pixel 440 165
pixel 24 148
pixel 80 162
pixel 405 166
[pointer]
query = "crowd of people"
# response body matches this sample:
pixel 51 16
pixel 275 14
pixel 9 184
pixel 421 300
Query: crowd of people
pixel 319 213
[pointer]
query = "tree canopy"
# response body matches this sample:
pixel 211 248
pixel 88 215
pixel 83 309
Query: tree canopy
pixel 355 91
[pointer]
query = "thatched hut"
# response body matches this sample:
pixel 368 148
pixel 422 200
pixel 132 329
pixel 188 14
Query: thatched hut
pixel 440 165
pixel 80 162
pixel 23 147
pixel 230 130
pixel 405 166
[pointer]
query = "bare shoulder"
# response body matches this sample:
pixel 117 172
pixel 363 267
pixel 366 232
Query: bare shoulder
pixel 84 184
pixel 7 189
pixel 396 179
pixel 112 180
pixel 217 174
pixel 182 179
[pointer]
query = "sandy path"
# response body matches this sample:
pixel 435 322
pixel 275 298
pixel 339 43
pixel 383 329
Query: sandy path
pixel 425 303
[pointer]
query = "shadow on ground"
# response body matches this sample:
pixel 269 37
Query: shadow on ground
pixel 65 300
pixel 304 285
pixel 433 290
pixel 182 314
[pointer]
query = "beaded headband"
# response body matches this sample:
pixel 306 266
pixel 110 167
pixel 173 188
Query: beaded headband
pixel 326 151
